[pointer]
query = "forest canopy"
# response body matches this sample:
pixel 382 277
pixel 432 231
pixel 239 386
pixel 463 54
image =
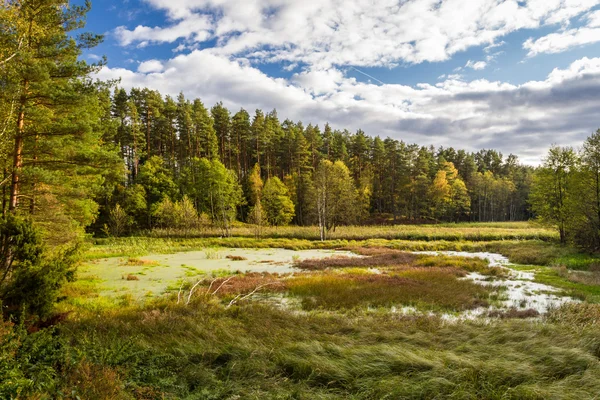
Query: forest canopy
pixel 172 147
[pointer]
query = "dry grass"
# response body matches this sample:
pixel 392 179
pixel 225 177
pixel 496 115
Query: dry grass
pixel 591 277
pixel 372 258
pixel 130 277
pixel 420 287
pixel 514 313
pixel 395 259
pixel 469 264
pixel 137 262
pixel 426 232
pixel 235 258
pixel 576 315
pixel 246 283
pixel 90 381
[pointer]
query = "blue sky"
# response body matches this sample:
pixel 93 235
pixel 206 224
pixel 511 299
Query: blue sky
pixel 513 75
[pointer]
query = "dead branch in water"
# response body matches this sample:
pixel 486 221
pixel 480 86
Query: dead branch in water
pixel 241 297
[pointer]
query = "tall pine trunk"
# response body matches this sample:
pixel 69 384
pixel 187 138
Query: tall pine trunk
pixel 18 153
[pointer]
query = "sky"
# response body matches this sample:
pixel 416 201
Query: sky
pixel 512 75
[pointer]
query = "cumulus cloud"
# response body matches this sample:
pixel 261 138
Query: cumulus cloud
pixel 150 66
pixel 563 40
pixel 326 33
pixel 523 119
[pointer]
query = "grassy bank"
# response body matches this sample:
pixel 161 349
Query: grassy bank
pixel 450 232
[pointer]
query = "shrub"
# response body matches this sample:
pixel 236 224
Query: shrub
pixel 31 278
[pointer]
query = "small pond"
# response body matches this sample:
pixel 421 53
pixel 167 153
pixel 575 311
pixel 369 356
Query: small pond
pixel 156 273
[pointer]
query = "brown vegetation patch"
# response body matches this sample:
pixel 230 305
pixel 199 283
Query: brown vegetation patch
pixel 399 260
pixel 576 314
pixel 514 313
pixel 245 284
pixel 373 257
pixel 131 277
pixel 235 258
pixel 136 262
pixel 437 288
pixel 95 382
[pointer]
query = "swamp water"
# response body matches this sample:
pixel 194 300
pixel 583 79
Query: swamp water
pixel 156 273
pixel 518 291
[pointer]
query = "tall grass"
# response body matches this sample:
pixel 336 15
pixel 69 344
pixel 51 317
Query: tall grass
pixel 450 232
pixel 335 347
pixel 207 351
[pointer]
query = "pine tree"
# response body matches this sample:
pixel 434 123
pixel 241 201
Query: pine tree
pixel 241 132
pixel 206 142
pixel 222 128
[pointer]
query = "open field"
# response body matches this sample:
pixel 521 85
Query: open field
pixel 153 318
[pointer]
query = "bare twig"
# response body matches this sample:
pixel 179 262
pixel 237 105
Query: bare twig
pixel 8 59
pixel 241 297
pixel 222 283
pixel 192 291
pixel 14 54
pixel 4 182
pixel 210 286
pixel 179 293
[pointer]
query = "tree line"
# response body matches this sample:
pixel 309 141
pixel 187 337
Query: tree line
pixel 566 192
pixel 78 153
pixel 167 146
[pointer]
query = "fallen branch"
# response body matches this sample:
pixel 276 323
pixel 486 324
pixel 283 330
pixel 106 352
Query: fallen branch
pixel 241 297
pixel 222 283
pixel 192 291
pixel 179 293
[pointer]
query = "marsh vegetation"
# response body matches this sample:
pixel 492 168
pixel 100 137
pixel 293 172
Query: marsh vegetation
pixel 367 321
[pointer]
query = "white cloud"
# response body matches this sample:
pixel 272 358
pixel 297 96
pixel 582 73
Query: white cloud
pixel 492 46
pixel 326 33
pixel 195 28
pixel 150 66
pixel 523 119
pixel 93 57
pixel 476 65
pixel 594 19
pixel 564 40
pixel 559 42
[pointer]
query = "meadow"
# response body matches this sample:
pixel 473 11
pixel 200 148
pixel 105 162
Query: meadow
pixel 376 323
pixel 427 232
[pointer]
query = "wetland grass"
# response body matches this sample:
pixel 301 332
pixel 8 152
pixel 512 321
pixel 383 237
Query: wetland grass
pixel 343 342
